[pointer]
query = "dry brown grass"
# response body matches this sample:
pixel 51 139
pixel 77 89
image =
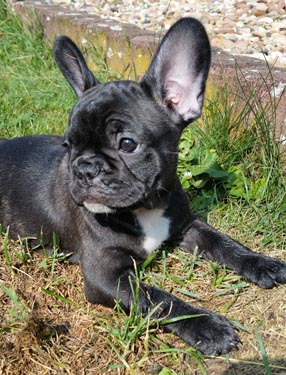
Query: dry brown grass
pixel 53 336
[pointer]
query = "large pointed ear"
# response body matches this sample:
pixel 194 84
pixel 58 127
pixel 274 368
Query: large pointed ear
pixel 178 72
pixel 73 65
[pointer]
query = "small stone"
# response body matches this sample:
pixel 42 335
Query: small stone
pixel 240 12
pixel 217 42
pixel 227 44
pixel 248 19
pixel 240 24
pixel 231 36
pixel 205 20
pixel 278 25
pixel 260 9
pixel 278 39
pixel 254 39
pixel 259 31
pixel 245 30
pixel 197 14
pixel 265 20
pixel 242 5
pixel 224 31
pixel 273 14
pixel 241 46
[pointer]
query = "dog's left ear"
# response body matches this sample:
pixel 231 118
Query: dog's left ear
pixel 178 72
pixel 73 65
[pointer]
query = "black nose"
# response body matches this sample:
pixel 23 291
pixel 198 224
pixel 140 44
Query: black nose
pixel 86 171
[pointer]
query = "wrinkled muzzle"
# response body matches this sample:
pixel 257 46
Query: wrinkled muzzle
pixel 96 182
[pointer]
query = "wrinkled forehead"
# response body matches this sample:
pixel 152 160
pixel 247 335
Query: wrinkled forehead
pixel 121 102
pixel 118 96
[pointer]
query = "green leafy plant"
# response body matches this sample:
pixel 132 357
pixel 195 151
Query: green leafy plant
pixel 233 151
pixel 200 173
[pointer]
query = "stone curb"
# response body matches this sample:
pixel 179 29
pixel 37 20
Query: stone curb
pixel 128 50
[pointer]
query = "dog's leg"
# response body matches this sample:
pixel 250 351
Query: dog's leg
pixel 213 245
pixel 108 277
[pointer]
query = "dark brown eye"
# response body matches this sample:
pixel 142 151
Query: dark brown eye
pixel 127 145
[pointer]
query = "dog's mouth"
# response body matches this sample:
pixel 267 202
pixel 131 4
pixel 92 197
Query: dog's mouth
pixel 107 200
pixel 155 199
pixel 98 208
pixel 119 201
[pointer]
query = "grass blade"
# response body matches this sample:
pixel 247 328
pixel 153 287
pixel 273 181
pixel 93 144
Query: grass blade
pixel 59 297
pixel 263 353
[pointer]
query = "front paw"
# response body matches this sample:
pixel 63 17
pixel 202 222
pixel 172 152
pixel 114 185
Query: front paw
pixel 264 271
pixel 210 333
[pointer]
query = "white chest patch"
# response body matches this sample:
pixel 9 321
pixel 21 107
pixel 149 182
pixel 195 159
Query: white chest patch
pixel 154 226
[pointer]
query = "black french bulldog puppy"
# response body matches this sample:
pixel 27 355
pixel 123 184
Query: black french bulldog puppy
pixel 109 189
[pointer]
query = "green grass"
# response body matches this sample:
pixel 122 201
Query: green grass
pixel 237 181
pixel 35 98
pixel 31 88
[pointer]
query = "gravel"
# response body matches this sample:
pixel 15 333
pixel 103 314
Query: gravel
pixel 254 28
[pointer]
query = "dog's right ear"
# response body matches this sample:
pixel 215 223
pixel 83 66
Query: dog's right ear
pixel 73 65
pixel 178 72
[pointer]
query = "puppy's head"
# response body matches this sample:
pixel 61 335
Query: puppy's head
pixel 123 136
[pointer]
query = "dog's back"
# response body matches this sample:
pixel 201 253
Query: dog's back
pixel 27 169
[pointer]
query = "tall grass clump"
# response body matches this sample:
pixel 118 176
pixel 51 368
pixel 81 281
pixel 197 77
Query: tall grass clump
pixel 244 158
